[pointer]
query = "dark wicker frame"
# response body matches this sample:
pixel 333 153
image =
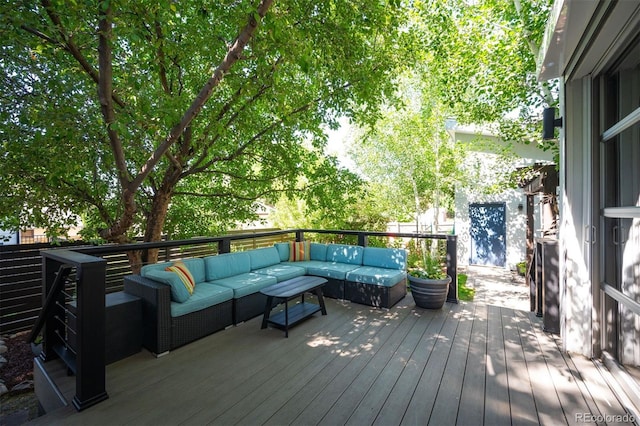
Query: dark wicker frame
pixel 375 295
pixel 333 288
pixel 249 306
pixel 160 331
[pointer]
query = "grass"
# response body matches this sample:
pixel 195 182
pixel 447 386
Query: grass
pixel 464 293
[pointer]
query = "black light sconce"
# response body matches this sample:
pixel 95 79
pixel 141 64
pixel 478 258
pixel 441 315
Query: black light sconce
pixel 520 207
pixel 549 123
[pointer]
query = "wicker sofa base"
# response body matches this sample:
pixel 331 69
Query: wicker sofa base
pixel 375 295
pixel 247 307
pixel 160 331
pixel 189 327
pixel 333 288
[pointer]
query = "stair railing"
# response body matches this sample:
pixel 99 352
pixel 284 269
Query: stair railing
pixel 72 321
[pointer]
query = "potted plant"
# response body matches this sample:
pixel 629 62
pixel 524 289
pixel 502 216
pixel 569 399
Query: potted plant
pixel 429 283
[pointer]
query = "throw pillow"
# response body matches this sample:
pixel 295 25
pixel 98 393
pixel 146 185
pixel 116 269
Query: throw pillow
pixel 179 292
pixel 298 251
pixel 183 273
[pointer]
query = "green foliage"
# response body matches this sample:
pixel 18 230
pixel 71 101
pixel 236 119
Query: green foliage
pixel 156 153
pixel 407 157
pixel 483 55
pixel 465 293
pixel 168 149
pixel 341 212
pixel 430 268
pixel 427 262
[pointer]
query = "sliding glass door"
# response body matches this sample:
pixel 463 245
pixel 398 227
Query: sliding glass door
pixel 619 194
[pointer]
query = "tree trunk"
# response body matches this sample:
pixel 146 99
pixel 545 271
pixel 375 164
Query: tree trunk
pixel 535 50
pixel 416 198
pixel 118 228
pixel 156 220
pixel 135 260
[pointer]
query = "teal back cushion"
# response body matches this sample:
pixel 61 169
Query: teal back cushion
pixel 318 252
pixel 227 265
pixel 344 253
pixel 283 251
pixel 263 257
pixel 390 258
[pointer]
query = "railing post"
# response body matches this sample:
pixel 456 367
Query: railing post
pixel 224 246
pixel 452 267
pixel 86 355
pixel 90 333
pixel 363 239
pixel 299 235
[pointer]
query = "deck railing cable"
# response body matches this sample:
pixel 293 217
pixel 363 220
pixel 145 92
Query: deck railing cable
pixel 73 323
pixel 50 301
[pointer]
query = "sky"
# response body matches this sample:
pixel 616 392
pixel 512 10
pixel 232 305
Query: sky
pixel 338 144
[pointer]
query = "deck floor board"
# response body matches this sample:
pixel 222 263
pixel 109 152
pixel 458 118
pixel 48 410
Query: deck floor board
pixel 523 408
pixel 444 412
pixel 403 390
pixel 471 406
pixel 497 410
pixel 469 363
pixel 548 405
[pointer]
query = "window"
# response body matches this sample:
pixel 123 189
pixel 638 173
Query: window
pixel 620 207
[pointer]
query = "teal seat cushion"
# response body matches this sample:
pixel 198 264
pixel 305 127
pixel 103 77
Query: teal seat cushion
pixel 283 251
pixel 194 264
pixel 344 253
pixel 376 276
pixel 334 270
pixel 179 292
pixel 204 295
pixel 226 265
pixel 247 283
pixel 282 272
pixel 264 257
pixel 390 258
pixel 306 264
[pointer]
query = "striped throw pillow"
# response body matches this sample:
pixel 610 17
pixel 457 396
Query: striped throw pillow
pixel 299 250
pixel 183 273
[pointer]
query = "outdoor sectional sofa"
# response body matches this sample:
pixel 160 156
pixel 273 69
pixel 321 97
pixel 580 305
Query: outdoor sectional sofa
pixel 227 286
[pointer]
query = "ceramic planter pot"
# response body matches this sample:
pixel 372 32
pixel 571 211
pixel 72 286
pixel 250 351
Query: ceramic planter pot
pixel 429 293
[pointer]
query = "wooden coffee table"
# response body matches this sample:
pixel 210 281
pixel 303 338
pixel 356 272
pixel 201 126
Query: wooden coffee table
pixel 288 290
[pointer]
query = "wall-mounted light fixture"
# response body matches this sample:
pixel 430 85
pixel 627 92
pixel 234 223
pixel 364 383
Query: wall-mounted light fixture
pixel 549 123
pixel 520 207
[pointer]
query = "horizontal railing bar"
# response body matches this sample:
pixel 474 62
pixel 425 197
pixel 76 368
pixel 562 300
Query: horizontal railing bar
pixel 379 234
pixel 119 248
pixel 116 248
pixel 64 324
pixel 64 343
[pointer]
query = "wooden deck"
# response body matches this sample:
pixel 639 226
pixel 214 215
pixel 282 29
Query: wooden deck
pixel 467 364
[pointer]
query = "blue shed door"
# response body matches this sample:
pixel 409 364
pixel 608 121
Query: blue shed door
pixel 488 234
